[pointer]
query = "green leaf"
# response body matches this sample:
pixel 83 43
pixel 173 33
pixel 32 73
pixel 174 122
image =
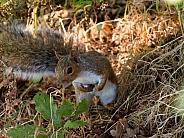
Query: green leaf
pixel 81 3
pixel 22 131
pixel 82 107
pixel 99 27
pixel 44 105
pixel 66 108
pixel 62 133
pixel 75 124
pixel 56 119
pixel 42 101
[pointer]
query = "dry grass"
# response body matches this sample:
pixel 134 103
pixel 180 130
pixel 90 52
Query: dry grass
pixel 147 53
pixel 151 85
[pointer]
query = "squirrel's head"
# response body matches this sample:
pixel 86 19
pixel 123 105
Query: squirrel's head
pixel 67 69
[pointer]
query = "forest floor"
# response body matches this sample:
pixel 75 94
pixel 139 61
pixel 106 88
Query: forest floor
pixel 146 50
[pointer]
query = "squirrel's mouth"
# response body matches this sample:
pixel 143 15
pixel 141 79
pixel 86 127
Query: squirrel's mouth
pixel 63 84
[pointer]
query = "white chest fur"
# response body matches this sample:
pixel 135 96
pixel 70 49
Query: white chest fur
pixel 86 77
pixel 106 95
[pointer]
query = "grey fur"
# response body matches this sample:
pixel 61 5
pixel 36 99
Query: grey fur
pixel 30 56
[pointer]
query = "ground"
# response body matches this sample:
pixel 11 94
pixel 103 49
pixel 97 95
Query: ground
pixel 144 44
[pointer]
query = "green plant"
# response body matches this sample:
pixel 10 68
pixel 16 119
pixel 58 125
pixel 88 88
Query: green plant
pixel 2 2
pixel 81 3
pixel 179 6
pixel 61 118
pixel 157 5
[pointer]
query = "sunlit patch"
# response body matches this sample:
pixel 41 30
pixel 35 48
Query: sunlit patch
pixel 173 2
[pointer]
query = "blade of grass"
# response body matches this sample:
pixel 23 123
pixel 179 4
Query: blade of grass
pixel 8 123
pixel 157 5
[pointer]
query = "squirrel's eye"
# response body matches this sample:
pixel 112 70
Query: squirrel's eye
pixel 69 70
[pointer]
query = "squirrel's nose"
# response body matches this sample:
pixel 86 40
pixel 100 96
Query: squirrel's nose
pixel 59 85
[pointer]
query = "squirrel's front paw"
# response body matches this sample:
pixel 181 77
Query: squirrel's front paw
pixel 87 87
pixel 96 89
pixel 84 87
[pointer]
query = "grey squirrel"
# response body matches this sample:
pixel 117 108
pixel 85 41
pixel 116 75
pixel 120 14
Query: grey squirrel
pixel 90 73
pixel 90 69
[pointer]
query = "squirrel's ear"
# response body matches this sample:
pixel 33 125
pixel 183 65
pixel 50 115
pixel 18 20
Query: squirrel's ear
pixel 58 55
pixel 74 55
